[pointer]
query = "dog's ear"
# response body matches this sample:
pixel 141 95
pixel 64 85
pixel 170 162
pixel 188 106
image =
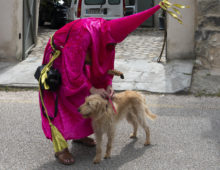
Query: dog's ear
pixel 101 105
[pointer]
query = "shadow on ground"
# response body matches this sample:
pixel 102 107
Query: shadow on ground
pixel 84 157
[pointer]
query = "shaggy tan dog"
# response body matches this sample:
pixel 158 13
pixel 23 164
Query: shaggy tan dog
pixel 129 104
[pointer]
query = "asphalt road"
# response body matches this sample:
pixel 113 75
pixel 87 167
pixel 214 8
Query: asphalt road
pixel 186 135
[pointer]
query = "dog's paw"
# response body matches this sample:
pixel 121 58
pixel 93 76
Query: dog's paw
pixel 133 136
pixel 147 143
pixel 96 160
pixel 107 156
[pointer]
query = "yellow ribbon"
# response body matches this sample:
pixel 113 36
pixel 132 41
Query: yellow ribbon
pixel 43 79
pixel 165 4
pixel 59 143
pixel 47 67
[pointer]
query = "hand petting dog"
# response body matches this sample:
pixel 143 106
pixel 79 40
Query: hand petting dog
pixel 108 93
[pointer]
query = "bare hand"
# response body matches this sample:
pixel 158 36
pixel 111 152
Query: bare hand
pixel 102 92
pixel 110 91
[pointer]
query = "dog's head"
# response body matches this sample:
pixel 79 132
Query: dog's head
pixel 93 107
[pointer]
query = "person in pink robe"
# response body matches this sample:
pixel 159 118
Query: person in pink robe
pixel 91 39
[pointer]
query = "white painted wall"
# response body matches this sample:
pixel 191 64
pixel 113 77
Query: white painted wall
pixel 180 37
pixel 10 27
pixel 37 17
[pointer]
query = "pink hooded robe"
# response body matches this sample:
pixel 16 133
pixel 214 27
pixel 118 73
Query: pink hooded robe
pixel 98 37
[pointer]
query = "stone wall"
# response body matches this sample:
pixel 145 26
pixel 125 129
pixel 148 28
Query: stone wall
pixel 207 35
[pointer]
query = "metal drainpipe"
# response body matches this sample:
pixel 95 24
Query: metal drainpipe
pixel 163 26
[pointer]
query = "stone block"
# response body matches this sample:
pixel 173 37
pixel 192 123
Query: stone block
pixel 207 48
pixel 209 22
pixel 206 7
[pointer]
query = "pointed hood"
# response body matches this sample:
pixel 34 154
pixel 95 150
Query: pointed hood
pixel 121 27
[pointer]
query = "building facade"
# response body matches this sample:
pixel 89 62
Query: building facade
pixel 18 28
pixel 198 38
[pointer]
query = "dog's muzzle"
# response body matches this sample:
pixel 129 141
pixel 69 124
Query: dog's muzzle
pixel 83 115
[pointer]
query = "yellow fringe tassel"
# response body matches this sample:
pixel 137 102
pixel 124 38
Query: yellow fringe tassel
pixel 165 4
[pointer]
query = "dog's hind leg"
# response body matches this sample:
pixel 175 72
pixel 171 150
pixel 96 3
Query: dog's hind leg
pixel 142 121
pixel 110 135
pixel 98 155
pixel 133 120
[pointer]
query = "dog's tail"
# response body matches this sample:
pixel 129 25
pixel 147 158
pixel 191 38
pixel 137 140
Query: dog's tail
pixel 149 114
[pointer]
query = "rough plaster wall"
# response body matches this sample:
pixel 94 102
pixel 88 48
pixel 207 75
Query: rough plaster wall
pixel 9 47
pixel 207 36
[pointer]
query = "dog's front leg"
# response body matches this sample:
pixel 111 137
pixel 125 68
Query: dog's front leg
pixel 110 135
pixel 98 155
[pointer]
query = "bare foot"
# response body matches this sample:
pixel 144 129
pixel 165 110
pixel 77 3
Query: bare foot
pixel 65 157
pixel 86 141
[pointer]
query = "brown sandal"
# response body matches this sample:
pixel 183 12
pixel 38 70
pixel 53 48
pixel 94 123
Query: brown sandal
pixel 86 141
pixel 65 157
